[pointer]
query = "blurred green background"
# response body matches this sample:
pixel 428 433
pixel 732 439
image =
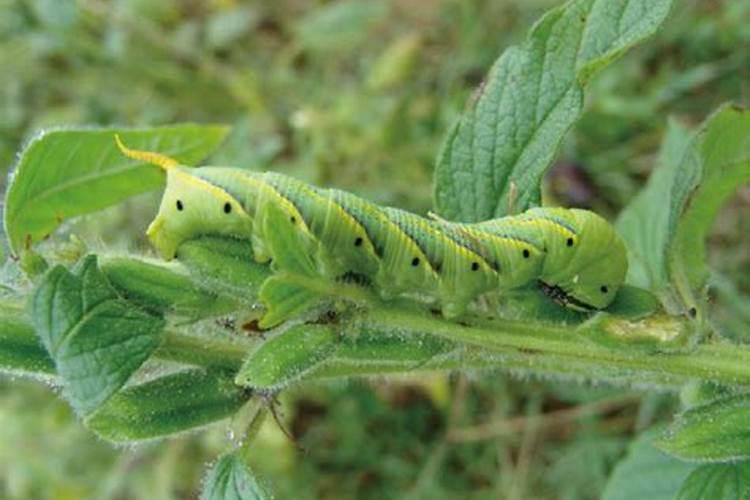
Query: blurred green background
pixel 358 94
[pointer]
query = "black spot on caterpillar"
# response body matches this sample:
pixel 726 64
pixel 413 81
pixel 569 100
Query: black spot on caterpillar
pixel 574 255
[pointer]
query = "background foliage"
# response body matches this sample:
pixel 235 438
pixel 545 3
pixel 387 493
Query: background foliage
pixel 359 95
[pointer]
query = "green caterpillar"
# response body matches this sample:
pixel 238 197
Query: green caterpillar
pixel 574 255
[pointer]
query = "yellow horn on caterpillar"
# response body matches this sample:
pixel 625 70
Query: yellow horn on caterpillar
pixel 158 159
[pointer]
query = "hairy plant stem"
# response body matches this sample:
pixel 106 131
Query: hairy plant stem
pixel 531 347
pixel 539 347
pixel 202 351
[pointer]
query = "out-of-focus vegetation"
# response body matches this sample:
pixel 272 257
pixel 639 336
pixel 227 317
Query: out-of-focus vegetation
pixel 359 94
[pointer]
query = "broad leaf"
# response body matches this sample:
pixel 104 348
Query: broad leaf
pixel 65 173
pixel 96 339
pixel 717 482
pixel 20 349
pixel 231 479
pixel 646 472
pixel 717 167
pixel 693 180
pixel 644 223
pixel 714 432
pixel 167 405
pixel 493 160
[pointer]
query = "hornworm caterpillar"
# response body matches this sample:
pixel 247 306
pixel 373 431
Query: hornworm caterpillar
pixel 574 255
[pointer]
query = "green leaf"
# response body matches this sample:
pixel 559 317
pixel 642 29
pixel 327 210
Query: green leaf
pixel 717 482
pixel 160 289
pixel 284 300
pixel 372 352
pixel 644 223
pixel 493 160
pixel 285 358
pixel 693 180
pixel 20 349
pixel 646 472
pixel 65 173
pixel 633 303
pixel 714 432
pixel 96 339
pixel 224 265
pixel 167 405
pixel 231 479
pixel 718 165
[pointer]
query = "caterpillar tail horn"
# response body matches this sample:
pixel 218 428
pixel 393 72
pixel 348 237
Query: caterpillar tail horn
pixel 162 161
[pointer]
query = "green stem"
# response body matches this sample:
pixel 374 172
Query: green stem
pixel 531 346
pixel 202 351
pixel 570 351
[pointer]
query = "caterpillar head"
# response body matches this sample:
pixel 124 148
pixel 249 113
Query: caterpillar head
pixel 191 206
pixel 585 271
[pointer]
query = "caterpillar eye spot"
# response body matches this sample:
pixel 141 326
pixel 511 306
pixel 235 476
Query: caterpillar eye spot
pixel 693 312
pixel 526 253
pixel 604 289
pixel 293 219
pixel 570 242
pixel 227 207
pixel 179 205
pixel 415 261
pixel 358 242
pixel 475 266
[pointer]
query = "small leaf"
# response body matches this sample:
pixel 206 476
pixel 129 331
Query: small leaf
pixel 284 300
pixel 170 404
pixel 717 482
pixel 33 264
pixel 646 473
pixel 533 94
pixel 66 173
pixel 285 358
pixel 20 350
pixel 231 479
pixel 224 265
pixel 160 289
pixel 378 352
pixel 96 339
pixel 714 432
pixel 633 303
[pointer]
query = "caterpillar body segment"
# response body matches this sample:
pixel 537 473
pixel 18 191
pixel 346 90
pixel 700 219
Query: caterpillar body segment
pixel 574 255
pixel 396 250
pixel 461 274
pixel 345 246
